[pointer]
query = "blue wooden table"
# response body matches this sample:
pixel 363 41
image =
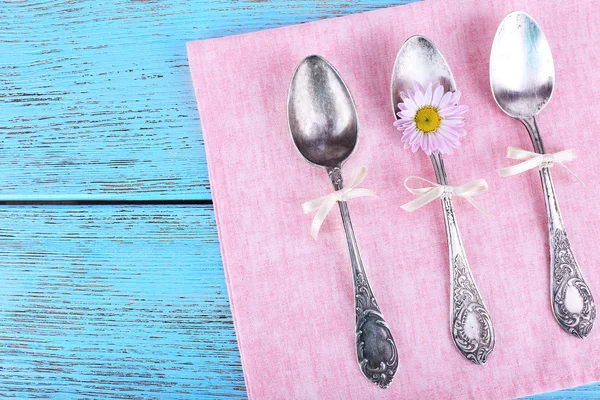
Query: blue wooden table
pixel 112 279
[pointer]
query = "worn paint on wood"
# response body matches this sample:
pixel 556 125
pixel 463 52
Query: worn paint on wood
pixel 121 302
pixel 97 100
pixel 114 302
pixel 118 301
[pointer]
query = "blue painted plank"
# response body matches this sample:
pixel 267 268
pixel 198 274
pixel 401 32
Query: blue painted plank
pixel 579 393
pixel 114 302
pixel 120 302
pixel 96 97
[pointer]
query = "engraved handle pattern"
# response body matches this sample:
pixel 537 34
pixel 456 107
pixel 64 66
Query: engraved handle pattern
pixel 566 279
pixel 470 322
pixel 375 347
pixel 572 301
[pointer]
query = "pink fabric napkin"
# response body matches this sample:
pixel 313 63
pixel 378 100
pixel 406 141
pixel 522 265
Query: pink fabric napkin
pixel 292 297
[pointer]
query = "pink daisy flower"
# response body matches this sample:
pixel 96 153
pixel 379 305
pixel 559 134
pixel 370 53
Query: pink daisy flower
pixel 431 119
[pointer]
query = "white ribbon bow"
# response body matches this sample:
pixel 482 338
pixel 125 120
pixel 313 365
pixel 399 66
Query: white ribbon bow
pixel 325 203
pixel 436 191
pixel 533 160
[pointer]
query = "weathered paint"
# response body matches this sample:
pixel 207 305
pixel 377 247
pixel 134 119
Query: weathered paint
pixel 118 301
pixel 114 302
pixel 97 100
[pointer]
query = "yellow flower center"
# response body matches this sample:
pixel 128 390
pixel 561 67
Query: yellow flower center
pixel 428 119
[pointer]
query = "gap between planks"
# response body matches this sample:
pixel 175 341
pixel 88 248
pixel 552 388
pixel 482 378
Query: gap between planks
pixel 104 202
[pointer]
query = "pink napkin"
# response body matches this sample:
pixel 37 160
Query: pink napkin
pixel 292 297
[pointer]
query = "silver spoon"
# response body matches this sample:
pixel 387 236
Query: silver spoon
pixel 470 323
pixel 522 79
pixel 323 122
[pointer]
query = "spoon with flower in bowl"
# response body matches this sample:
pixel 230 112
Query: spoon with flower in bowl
pixel 425 103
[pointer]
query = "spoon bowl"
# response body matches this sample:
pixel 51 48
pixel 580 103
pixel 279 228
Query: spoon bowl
pixel 521 67
pixel 322 116
pixel 418 60
pixel 323 122
pixel 470 323
pixel 522 80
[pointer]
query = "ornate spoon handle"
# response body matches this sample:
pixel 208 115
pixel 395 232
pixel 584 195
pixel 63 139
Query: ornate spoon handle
pixel 572 301
pixel 470 323
pixel 375 347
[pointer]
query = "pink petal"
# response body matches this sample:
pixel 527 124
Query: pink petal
pixel 449 137
pixel 406 134
pixel 415 137
pixel 437 95
pixel 435 145
pixel 401 118
pixel 428 145
pixel 403 121
pixel 447 144
pixel 444 149
pixel 432 144
pixel 428 94
pixel 453 122
pixel 411 105
pixel 401 124
pixel 410 138
pixel 455 97
pixel 418 87
pixel 423 142
pixel 408 114
pixel 457 132
pixel 402 106
pixel 452 111
pixel 456 117
pixel 411 127
pixel 419 99
pixel 447 147
pixel 444 144
pixel 445 100
pixel 447 111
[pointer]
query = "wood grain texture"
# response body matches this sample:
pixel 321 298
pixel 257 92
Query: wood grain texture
pixel 114 302
pixel 119 302
pixel 97 100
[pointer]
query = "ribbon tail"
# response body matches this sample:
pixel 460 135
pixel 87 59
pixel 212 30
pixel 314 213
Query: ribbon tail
pixel 320 216
pixel 361 192
pixel 477 206
pixel 358 175
pixel 315 204
pixel 424 199
pixel 572 173
pixel 516 153
pixel 522 167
